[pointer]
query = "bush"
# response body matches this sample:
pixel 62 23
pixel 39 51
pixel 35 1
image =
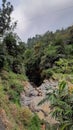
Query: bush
pixel 61 99
pixel 47 73
pixel 14 92
pixel 17 67
pixel 35 123
pixel 25 115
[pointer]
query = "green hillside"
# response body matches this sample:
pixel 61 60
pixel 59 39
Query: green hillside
pixel 50 55
pixel 47 56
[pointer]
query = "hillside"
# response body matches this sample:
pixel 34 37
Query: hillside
pixel 43 57
pixel 50 54
pixel 33 73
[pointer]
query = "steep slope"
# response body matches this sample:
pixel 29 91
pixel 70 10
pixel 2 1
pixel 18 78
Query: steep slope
pixel 11 112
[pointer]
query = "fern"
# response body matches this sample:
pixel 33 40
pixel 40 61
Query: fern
pixel 61 106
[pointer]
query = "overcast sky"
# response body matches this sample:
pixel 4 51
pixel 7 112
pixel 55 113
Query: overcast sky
pixel 38 16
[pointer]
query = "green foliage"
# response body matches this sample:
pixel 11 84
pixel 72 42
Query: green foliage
pixel 13 85
pixel 10 88
pixel 12 54
pixel 14 92
pixel 35 123
pixel 46 55
pixel 2 56
pixel 63 66
pixel 1 61
pixel 25 116
pixel 49 52
pixel 5 17
pixel 43 57
pixel 10 44
pixel 62 105
pixel 17 66
pixel 47 73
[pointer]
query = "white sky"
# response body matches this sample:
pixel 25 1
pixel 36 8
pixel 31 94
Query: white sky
pixel 38 16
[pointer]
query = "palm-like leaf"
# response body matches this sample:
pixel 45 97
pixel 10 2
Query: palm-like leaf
pixel 61 105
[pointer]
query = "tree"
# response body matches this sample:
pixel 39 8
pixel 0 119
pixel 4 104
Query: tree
pixel 11 45
pixel 5 17
pixel 2 57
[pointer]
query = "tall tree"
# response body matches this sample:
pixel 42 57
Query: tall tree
pixel 5 17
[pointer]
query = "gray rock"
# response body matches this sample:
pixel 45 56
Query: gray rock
pixel 32 96
pixel 33 93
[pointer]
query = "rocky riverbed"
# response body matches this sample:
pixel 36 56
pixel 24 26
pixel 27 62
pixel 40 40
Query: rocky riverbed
pixel 33 95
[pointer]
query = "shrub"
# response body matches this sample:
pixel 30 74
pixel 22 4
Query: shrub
pixel 25 115
pixel 35 123
pixel 14 92
pixel 61 99
pixel 47 73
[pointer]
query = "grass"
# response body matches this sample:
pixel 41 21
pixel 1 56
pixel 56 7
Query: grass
pixel 11 86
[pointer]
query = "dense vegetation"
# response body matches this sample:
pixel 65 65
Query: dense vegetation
pixel 44 56
pixel 49 54
pixel 61 99
pixel 12 76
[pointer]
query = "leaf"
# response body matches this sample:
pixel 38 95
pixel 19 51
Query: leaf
pixel 62 86
pixel 57 112
pixel 52 98
pixel 69 111
pixel 65 126
pixel 71 128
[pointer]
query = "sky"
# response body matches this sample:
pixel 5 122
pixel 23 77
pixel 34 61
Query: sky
pixel 39 16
